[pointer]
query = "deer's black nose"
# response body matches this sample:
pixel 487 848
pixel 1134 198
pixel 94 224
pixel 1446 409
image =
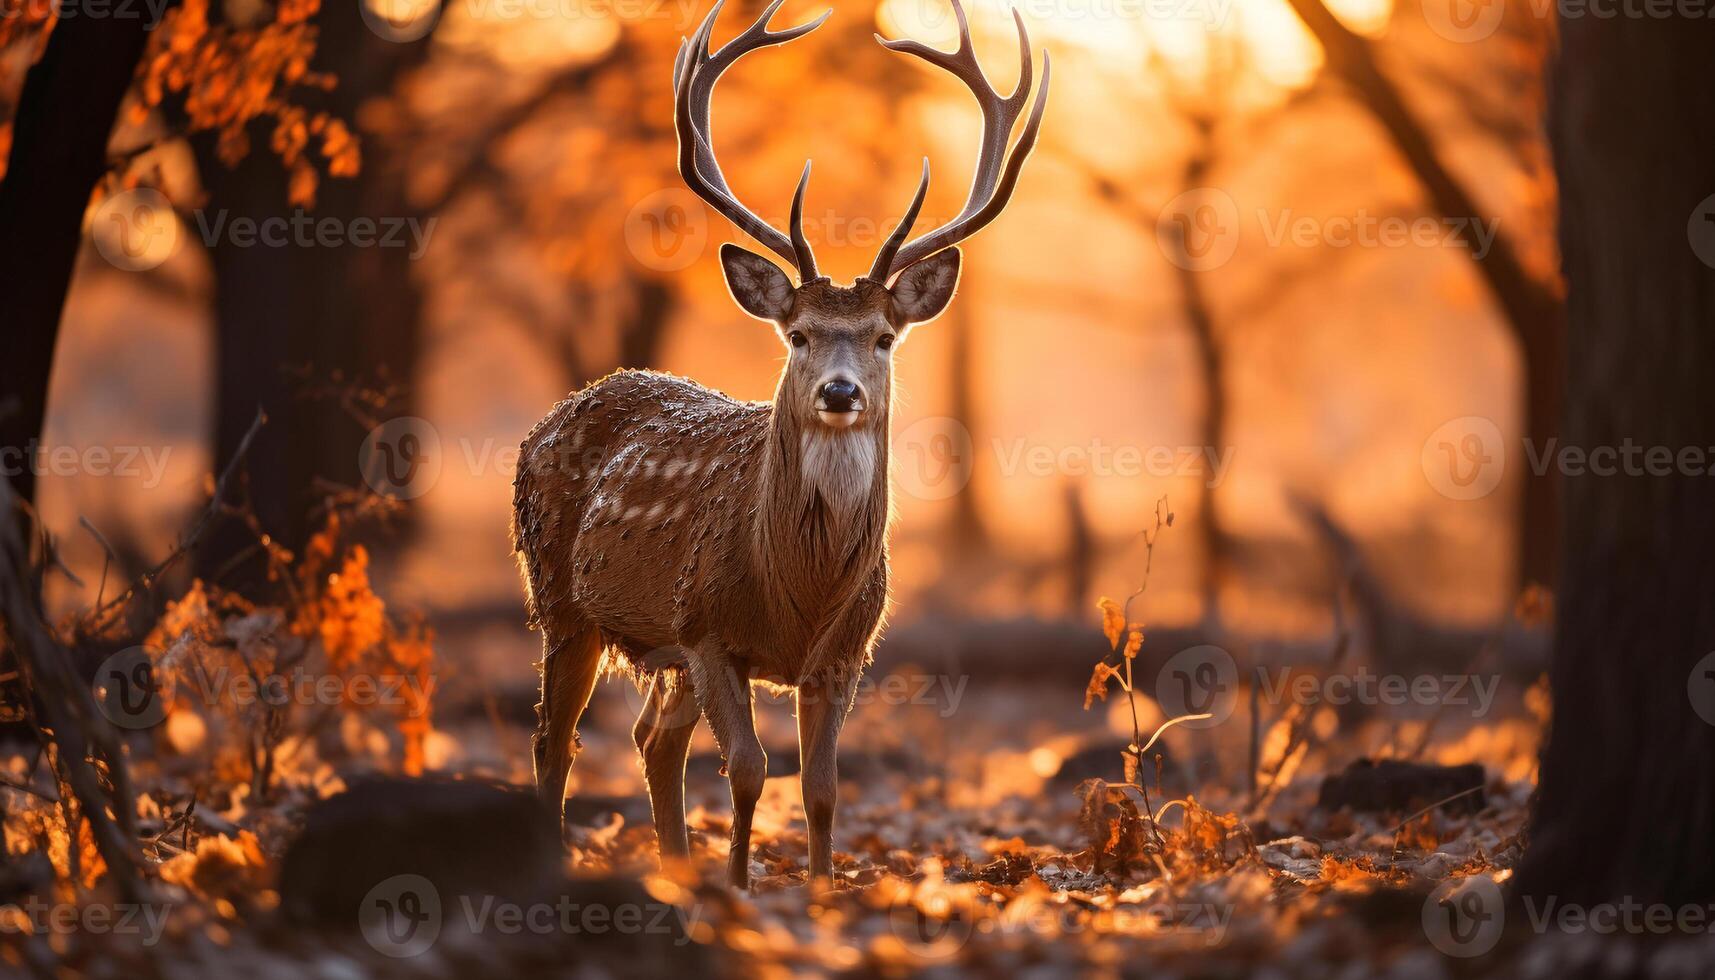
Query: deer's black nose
pixel 839 396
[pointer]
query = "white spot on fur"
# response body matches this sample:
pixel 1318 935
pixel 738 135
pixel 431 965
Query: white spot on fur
pixel 840 465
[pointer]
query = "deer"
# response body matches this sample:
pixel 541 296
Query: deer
pixel 701 544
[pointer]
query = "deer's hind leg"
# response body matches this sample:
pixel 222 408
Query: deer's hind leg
pixel 663 736
pixel 723 694
pixel 571 659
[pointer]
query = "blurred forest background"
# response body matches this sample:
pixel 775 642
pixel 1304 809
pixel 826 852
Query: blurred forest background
pixel 1274 303
pixel 1146 292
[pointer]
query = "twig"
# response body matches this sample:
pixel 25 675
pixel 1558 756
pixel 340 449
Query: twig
pixel 101 615
pixel 1393 856
pixel 106 562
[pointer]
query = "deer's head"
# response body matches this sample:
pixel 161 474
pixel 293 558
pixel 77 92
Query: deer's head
pixel 841 338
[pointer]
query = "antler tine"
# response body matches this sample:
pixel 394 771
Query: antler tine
pixel 997 170
pixel 884 259
pixel 806 259
pixel 695 71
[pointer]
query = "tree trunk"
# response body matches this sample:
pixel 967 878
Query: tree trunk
pixel 1210 362
pixel 296 323
pixel 1627 790
pixel 66 113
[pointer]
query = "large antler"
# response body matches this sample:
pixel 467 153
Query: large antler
pixel 694 75
pixel 997 170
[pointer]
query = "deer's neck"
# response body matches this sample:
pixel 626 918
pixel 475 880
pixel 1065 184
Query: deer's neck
pixel 823 514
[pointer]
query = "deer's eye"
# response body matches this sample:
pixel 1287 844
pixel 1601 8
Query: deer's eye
pixel 798 339
pixel 884 342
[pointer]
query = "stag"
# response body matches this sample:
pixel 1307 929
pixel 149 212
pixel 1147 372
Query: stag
pixel 703 544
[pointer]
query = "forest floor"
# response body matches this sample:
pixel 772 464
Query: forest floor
pixel 989 824
pixel 970 842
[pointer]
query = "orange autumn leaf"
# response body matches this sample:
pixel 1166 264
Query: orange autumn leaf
pixel 352 616
pixel 1113 621
pixel 1097 689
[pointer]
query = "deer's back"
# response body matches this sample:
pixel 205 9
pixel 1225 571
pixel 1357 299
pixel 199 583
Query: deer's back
pixel 628 496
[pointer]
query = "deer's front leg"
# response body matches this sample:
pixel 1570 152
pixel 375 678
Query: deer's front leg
pixel 723 692
pixel 823 702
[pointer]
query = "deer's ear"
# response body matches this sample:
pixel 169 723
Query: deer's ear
pixel 758 284
pixel 923 290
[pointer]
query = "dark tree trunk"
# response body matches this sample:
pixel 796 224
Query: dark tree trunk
pixel 1626 798
pixel 65 115
pixel 295 324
